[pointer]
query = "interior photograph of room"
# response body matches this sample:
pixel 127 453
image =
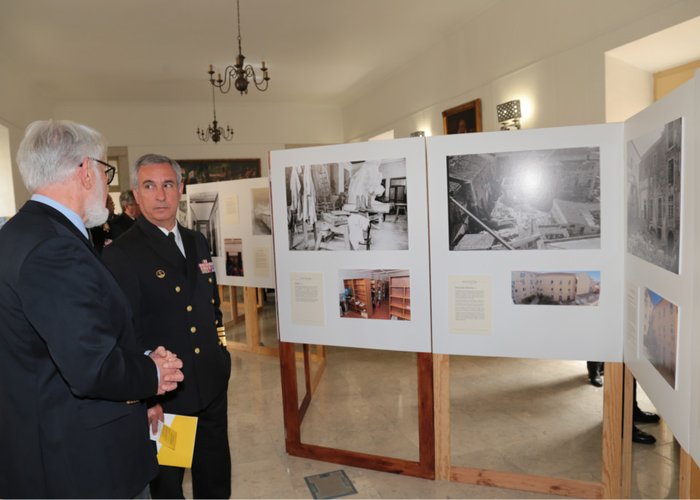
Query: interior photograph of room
pixel 375 294
pixel 360 205
pixel 161 76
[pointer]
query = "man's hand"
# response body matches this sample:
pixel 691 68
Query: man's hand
pixel 169 366
pixel 155 413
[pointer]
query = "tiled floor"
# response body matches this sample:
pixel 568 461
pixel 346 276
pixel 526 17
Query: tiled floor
pixel 532 416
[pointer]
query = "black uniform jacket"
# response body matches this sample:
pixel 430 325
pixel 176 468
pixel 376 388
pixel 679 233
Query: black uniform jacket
pixel 70 368
pixel 176 304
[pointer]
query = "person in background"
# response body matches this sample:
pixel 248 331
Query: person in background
pixel 72 375
pixel 595 372
pixel 130 211
pixel 101 235
pixel 167 273
pixel 595 369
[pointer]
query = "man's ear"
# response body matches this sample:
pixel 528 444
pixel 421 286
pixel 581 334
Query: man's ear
pixel 86 174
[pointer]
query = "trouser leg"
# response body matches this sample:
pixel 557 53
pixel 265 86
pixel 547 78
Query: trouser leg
pixel 211 464
pixel 168 483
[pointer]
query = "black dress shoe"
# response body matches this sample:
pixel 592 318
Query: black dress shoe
pixel 596 381
pixel 645 417
pixel 639 436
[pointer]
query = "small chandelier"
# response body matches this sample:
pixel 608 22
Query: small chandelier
pixel 214 131
pixel 238 74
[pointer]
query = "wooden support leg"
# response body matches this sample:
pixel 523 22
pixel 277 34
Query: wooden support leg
pixel 307 382
pixel 426 414
pixel 252 325
pixel 441 391
pixel 612 430
pixel 627 424
pixel 689 480
pixel 290 397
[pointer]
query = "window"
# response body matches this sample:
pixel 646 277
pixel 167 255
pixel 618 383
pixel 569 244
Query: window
pixel 670 208
pixel 670 171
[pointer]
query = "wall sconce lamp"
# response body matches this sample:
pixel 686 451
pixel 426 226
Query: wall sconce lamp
pixel 418 133
pixel 509 114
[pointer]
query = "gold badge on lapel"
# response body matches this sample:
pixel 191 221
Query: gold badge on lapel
pixel 160 274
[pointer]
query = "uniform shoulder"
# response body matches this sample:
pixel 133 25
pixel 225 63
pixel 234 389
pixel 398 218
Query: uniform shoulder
pixel 132 237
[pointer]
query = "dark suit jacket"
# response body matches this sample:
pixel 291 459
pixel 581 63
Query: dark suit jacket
pixel 176 304
pixel 69 362
pixel 119 225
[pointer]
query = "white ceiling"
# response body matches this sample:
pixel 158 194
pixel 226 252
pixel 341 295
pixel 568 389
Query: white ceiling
pixel 317 50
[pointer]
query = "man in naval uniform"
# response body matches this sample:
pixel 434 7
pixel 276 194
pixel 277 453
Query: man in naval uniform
pixel 167 274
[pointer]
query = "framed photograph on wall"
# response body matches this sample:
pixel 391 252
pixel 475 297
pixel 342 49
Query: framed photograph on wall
pixel 203 171
pixel 462 119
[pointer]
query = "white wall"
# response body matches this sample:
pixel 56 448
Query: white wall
pixel 169 128
pixel 20 104
pixel 628 89
pixel 547 52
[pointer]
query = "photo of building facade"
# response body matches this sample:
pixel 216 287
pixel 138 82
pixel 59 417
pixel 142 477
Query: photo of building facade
pixel 574 288
pixel 660 334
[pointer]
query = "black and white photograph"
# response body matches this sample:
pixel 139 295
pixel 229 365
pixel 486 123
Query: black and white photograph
pixel 262 213
pixel 546 199
pixel 660 334
pixel 355 205
pixel 204 217
pixel 234 256
pixel 654 196
pixel 557 288
pixel 375 294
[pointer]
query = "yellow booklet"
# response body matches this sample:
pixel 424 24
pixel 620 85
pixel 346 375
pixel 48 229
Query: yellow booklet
pixel 175 440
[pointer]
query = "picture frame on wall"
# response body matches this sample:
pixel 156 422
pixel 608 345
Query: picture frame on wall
pixel 203 171
pixel 462 119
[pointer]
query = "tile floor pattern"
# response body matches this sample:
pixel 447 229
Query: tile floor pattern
pixel 533 416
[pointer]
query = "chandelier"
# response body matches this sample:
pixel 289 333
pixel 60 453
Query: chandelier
pixel 214 131
pixel 239 75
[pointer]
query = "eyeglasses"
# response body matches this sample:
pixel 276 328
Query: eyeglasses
pixel 109 169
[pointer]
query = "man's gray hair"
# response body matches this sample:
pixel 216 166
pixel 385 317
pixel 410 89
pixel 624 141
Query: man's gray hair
pixel 126 198
pixel 153 159
pixel 52 149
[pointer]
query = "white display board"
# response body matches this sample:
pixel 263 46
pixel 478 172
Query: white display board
pixel 235 217
pixel 352 216
pixel 660 260
pixel 693 143
pixel 526 243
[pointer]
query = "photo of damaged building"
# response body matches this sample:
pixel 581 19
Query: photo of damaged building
pixel 654 196
pixel 540 199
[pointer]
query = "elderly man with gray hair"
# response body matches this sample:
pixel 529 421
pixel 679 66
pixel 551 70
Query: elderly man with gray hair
pixel 73 378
